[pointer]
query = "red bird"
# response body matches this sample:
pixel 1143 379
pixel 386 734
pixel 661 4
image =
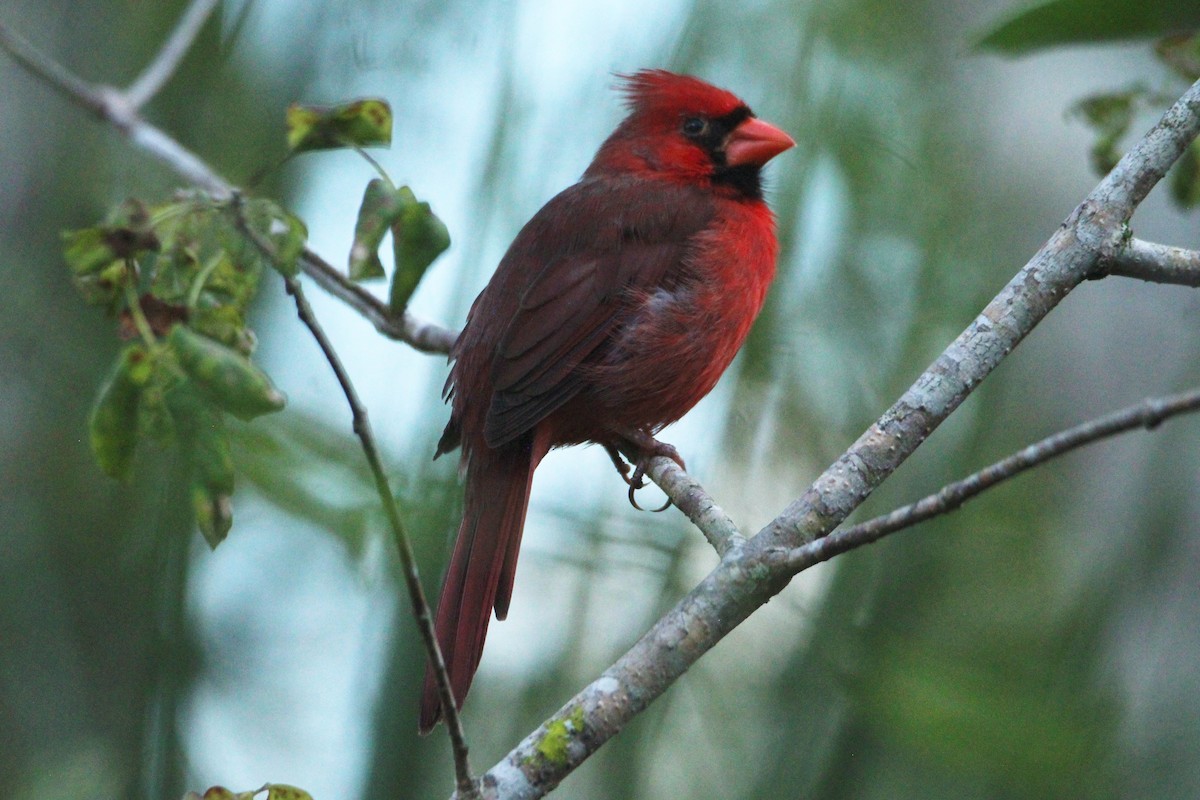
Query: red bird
pixel 615 309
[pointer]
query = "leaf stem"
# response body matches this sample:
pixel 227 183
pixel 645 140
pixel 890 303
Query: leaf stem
pixel 134 304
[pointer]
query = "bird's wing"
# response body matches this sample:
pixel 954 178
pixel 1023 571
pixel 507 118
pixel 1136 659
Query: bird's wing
pixel 568 282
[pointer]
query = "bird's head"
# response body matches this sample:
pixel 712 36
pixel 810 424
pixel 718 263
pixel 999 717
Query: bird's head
pixel 684 129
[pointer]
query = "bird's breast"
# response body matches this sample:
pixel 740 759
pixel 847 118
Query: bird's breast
pixel 680 337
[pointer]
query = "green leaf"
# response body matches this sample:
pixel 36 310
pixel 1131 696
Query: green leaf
pixel 218 793
pixel 87 250
pixel 1110 116
pixel 360 123
pixel 418 237
pixel 204 440
pixel 104 287
pixel 223 375
pixel 97 256
pixel 1061 22
pixel 381 206
pixel 128 234
pixel 1185 177
pixel 113 423
pixel 214 513
pixel 226 324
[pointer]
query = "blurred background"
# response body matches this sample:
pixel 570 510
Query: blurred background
pixel 1039 643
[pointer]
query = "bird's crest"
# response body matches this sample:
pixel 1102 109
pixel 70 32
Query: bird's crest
pixel 656 92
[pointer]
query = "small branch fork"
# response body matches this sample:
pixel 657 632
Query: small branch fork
pixel 1157 263
pixel 1091 243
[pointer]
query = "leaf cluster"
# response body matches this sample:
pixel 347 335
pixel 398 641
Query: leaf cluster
pixel 179 277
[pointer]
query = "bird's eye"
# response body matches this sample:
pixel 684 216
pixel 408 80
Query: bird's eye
pixel 695 126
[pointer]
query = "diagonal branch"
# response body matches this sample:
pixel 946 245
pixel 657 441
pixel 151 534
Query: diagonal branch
pixel 160 70
pixel 1159 263
pixel 749 575
pixel 54 74
pixel 1147 414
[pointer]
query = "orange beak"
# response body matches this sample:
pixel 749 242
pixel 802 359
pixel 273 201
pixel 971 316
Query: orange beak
pixel 755 142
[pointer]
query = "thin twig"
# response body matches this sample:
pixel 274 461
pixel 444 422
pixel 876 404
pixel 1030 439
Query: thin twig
pixel 1147 414
pixel 362 427
pixel 160 70
pixel 427 337
pixel 49 70
pixel 1158 263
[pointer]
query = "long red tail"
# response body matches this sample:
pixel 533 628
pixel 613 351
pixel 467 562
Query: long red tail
pixel 482 566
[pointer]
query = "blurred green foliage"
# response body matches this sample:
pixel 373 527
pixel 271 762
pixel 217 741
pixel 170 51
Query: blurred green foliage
pixel 1037 643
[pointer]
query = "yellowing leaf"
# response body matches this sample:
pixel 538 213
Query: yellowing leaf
pixel 361 123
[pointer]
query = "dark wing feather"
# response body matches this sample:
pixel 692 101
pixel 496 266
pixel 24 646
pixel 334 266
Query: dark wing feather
pixel 587 255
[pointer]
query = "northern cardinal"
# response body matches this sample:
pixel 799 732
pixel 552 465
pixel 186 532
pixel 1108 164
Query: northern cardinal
pixel 615 309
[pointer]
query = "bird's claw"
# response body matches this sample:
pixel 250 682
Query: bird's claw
pixel 649 448
pixel 636 481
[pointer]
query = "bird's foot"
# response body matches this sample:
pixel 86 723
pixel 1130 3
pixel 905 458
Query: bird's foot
pixel 648 447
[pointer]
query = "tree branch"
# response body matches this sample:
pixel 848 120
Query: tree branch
pixel 751 574
pixel 54 74
pixel 160 70
pixel 1158 263
pixel 1147 414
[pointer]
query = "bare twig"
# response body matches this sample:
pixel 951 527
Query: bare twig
pixel 420 606
pixel 1158 263
pixel 160 70
pixel 49 70
pixel 418 334
pixel 1147 414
